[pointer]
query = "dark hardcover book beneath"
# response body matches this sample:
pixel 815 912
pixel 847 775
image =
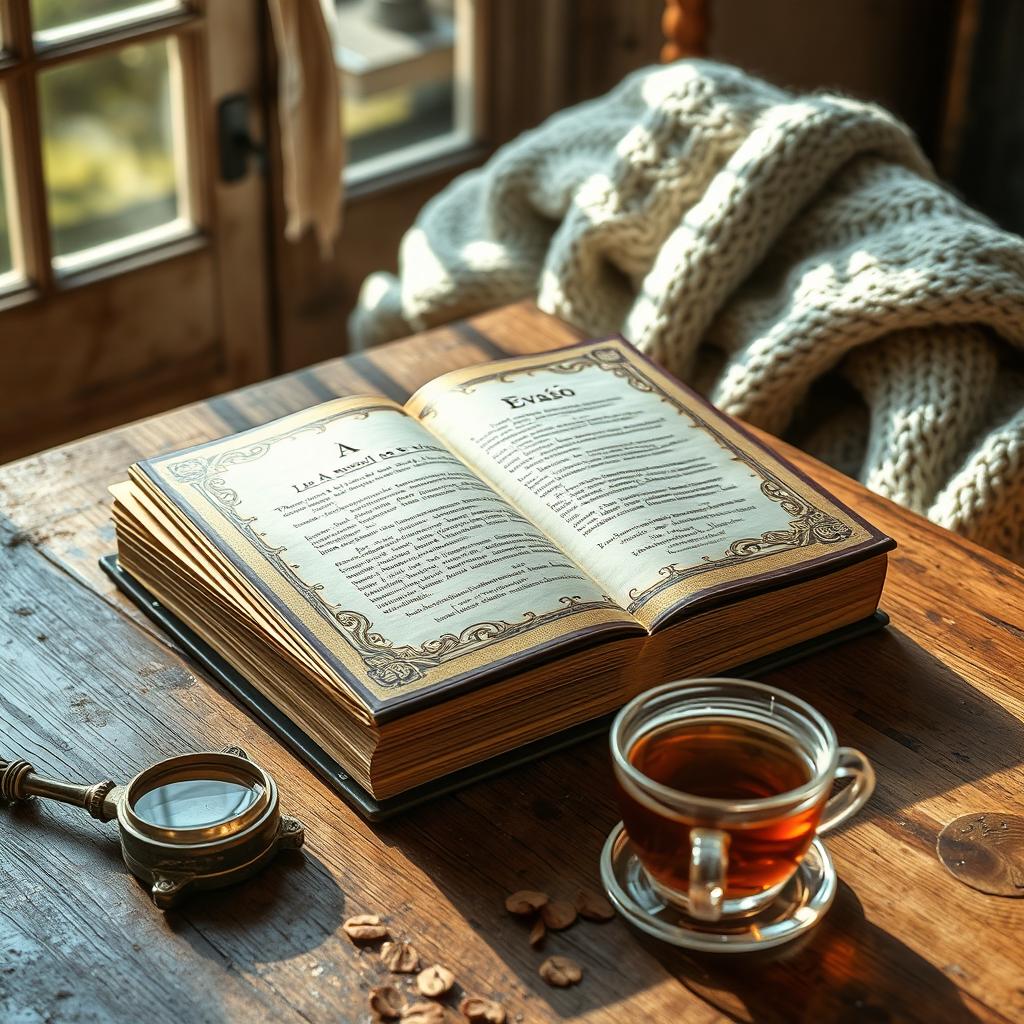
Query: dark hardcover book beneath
pixel 339 780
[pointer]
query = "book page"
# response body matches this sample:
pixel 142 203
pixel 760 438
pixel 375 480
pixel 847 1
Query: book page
pixel 655 493
pixel 389 549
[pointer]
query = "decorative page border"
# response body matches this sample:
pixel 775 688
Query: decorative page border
pixel 811 525
pixel 386 665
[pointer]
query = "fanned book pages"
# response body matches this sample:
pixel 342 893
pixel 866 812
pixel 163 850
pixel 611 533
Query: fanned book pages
pixel 523 546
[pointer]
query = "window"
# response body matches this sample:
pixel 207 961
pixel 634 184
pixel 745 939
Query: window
pixel 7 275
pixel 112 160
pixel 58 21
pixel 131 277
pixel 407 74
pixel 99 84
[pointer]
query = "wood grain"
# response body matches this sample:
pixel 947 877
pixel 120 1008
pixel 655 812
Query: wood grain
pixel 88 691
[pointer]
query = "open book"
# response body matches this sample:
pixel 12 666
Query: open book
pixel 523 546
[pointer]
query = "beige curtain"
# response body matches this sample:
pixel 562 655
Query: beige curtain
pixel 309 112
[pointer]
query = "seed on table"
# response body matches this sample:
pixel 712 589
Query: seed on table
pixel 423 1013
pixel 434 981
pixel 558 914
pixel 560 971
pixel 365 928
pixel 537 933
pixel 400 957
pixel 387 1002
pixel 525 901
pixel 593 907
pixel 478 1010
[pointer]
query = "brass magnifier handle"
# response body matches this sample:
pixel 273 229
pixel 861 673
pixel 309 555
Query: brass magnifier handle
pixel 170 842
pixel 18 781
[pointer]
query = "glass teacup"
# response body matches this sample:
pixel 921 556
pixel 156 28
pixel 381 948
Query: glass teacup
pixel 723 785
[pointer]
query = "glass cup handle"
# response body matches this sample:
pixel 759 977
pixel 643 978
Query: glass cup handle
pixel 852 765
pixel 709 860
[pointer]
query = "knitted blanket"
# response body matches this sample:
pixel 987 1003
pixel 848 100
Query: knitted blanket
pixel 792 257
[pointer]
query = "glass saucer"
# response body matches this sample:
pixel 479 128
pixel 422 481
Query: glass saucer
pixel 800 905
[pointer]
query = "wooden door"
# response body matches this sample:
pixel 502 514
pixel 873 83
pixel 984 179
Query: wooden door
pixel 513 63
pixel 131 277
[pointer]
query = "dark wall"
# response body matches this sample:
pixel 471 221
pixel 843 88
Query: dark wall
pixel 988 162
pixel 895 52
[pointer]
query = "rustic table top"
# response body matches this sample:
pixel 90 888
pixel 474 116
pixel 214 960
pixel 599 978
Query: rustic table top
pixel 89 690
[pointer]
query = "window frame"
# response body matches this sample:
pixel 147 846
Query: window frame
pixel 141 331
pixel 36 273
pixel 313 296
pixel 416 159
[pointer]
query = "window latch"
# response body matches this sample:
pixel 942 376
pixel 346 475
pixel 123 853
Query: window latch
pixel 237 146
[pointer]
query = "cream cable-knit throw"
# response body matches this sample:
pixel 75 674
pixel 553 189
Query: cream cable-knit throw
pixel 791 256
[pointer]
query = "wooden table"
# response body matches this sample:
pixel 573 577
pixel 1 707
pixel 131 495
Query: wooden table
pixel 89 690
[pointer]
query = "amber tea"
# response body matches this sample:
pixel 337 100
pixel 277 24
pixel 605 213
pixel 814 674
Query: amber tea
pixel 730 760
pixel 724 785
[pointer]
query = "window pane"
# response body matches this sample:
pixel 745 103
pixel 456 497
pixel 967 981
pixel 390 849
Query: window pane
pixel 64 15
pixel 108 146
pixel 6 263
pixel 393 120
pixel 400 85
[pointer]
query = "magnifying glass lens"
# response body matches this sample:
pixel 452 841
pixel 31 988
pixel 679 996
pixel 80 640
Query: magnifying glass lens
pixel 194 821
pixel 196 802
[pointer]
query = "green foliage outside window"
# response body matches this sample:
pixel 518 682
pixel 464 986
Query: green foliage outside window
pixel 107 147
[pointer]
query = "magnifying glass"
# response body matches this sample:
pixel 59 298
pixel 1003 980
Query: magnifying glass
pixel 196 821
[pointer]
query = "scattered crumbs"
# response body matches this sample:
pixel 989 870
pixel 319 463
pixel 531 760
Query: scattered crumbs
pixel 561 971
pixel 400 957
pixel 526 902
pixel 478 1010
pixel 593 906
pixel 24 612
pixel 435 981
pixel 558 914
pixel 386 1002
pixel 365 928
